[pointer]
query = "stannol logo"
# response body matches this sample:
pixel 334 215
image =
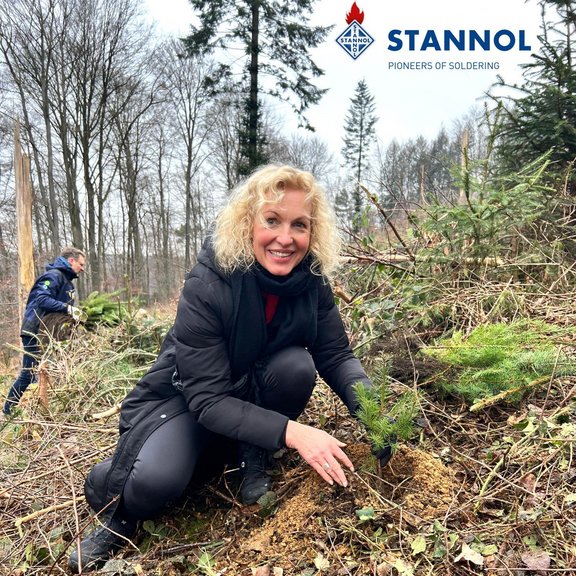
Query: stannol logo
pixel 355 39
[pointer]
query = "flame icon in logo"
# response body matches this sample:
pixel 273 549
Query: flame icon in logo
pixel 355 14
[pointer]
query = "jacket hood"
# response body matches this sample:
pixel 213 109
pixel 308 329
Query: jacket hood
pixel 63 265
pixel 207 258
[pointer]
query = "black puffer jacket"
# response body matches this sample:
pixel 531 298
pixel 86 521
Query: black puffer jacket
pixel 208 367
pixel 198 370
pixel 198 345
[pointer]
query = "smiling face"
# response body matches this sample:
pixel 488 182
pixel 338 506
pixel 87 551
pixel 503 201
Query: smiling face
pixel 281 234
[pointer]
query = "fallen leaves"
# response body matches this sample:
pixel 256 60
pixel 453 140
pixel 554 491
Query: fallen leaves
pixel 470 555
pixel 538 561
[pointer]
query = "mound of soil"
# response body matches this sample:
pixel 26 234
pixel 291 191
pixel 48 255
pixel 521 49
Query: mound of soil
pixel 312 518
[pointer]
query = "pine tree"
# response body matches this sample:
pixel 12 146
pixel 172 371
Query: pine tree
pixel 275 38
pixel 388 420
pixel 360 135
pixel 542 117
pixel 252 140
pixel 342 207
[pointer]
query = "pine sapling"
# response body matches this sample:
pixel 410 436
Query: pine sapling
pixel 385 424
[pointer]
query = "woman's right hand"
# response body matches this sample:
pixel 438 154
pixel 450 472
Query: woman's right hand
pixel 321 450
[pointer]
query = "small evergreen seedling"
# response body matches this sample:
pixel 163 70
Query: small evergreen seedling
pixel 503 360
pixel 384 427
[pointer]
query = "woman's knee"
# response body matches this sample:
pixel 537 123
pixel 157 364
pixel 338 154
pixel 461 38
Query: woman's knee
pixel 150 488
pixel 287 381
pixel 164 466
pixel 290 365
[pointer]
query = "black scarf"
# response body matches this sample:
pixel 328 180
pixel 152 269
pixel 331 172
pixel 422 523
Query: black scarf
pixel 294 322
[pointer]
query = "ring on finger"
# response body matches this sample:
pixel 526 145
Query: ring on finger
pixel 326 466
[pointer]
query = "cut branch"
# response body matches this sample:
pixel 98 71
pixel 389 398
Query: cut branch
pixel 486 402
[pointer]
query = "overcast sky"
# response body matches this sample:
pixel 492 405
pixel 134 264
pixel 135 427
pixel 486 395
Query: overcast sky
pixel 408 102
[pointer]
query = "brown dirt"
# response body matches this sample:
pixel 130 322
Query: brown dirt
pixel 414 485
pixel 498 481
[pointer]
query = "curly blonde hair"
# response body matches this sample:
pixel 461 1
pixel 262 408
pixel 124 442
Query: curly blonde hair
pixel 234 225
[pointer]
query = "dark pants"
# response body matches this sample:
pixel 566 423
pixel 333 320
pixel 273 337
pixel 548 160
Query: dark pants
pixel 181 447
pixel 27 375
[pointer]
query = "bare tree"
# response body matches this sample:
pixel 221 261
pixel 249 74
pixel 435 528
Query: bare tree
pixel 72 61
pixel 106 46
pixel 160 205
pixel 224 145
pixel 30 33
pixel 183 88
pixel 307 153
pixel 119 138
pixel 132 128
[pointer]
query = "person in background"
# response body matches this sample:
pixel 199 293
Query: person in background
pixel 255 323
pixel 52 291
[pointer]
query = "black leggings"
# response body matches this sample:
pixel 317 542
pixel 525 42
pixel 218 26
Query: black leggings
pixel 170 456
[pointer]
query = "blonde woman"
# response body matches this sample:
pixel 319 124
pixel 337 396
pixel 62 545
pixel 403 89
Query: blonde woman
pixel 256 322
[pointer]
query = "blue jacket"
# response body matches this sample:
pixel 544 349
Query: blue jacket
pixel 52 291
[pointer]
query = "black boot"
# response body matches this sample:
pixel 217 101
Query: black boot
pixel 99 546
pixel 253 464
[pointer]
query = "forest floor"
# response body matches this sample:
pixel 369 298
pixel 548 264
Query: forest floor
pixel 472 493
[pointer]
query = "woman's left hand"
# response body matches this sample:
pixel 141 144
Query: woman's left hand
pixel 321 450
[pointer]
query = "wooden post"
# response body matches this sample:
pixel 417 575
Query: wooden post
pixel 422 189
pixel 463 156
pixel 24 221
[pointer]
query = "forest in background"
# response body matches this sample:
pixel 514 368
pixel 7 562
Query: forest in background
pixel 133 148
pixel 135 141
pixel 457 286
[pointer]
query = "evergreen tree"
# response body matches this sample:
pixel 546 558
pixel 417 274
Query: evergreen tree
pixel 342 207
pixel 543 117
pixel 360 135
pixel 252 140
pixel 275 38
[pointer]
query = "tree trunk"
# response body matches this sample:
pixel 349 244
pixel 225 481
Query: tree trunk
pixel 253 98
pixel 24 218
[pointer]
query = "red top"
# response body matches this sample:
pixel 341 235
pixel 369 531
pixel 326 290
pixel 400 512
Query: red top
pixel 270 305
